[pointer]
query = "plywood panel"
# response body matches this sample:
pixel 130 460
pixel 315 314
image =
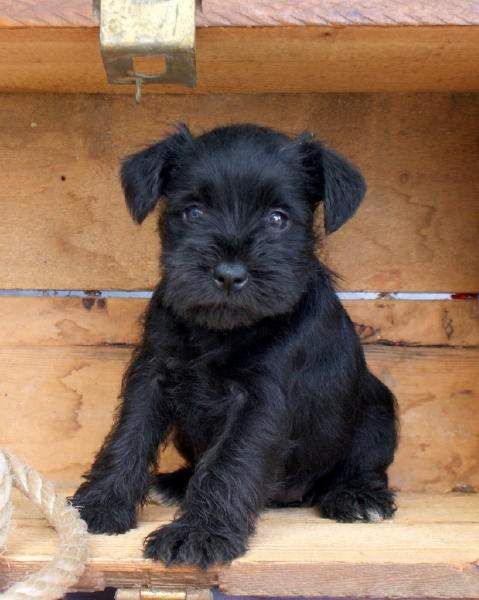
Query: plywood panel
pixel 50 321
pixel 431 552
pixel 259 59
pixel 64 224
pixel 57 403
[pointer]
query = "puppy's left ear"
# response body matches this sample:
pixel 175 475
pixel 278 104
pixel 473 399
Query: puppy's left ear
pixel 144 175
pixel 333 180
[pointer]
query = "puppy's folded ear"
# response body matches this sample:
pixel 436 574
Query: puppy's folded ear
pixel 333 180
pixel 144 175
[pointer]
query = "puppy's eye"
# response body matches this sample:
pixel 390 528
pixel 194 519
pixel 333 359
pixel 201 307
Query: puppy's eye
pixel 277 220
pixel 193 213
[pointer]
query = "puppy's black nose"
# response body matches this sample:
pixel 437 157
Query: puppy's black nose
pixel 231 276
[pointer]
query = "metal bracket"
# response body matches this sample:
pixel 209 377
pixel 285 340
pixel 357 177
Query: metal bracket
pixel 144 28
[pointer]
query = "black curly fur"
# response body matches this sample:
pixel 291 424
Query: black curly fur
pixel 263 388
pixel 171 487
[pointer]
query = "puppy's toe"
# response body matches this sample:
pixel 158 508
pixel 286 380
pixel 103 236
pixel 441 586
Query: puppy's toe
pixel 352 505
pixel 112 518
pixel 373 515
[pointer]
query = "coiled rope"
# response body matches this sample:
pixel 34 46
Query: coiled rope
pixel 53 580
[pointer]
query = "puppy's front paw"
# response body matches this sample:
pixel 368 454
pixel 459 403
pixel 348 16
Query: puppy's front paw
pixel 103 514
pixel 186 542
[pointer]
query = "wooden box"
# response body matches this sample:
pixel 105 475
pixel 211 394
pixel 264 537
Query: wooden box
pixel 394 86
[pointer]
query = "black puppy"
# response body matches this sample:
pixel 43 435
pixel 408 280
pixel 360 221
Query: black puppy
pixel 248 360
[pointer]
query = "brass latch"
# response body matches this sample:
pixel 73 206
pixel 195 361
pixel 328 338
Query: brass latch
pixel 131 30
pixel 163 593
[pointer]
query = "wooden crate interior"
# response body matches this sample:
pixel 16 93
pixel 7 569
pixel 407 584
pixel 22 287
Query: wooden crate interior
pixel 68 229
pixel 403 103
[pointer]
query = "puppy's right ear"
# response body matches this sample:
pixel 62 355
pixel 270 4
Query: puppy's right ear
pixel 331 179
pixel 144 175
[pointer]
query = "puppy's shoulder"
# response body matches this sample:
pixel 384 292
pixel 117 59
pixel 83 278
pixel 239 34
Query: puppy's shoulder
pixel 160 326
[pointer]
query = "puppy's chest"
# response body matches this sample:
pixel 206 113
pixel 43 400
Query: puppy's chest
pixel 208 381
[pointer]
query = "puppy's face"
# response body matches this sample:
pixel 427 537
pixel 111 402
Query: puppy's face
pixel 237 229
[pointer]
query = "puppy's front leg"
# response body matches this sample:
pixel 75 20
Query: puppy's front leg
pixel 119 478
pixel 225 494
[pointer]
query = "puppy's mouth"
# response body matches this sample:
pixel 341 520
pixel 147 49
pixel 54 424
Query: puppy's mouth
pixel 222 315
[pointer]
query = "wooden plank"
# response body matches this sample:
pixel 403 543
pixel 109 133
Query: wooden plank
pixel 259 59
pixel 70 321
pixel 62 399
pixel 416 231
pixel 416 323
pixel 437 391
pixel 57 321
pixel 431 551
pixel 78 13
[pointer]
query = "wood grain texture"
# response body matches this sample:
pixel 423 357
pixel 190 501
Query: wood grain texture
pixel 94 321
pixel 258 60
pixel 57 406
pixel 70 321
pixel 417 230
pixel 437 391
pixel 431 551
pixel 416 323
pixel 79 13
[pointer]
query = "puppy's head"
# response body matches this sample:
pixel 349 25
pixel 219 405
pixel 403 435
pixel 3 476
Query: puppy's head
pixel 237 229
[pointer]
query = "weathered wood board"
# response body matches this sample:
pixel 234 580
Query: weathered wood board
pixel 57 405
pixel 259 59
pixel 64 224
pixel 431 551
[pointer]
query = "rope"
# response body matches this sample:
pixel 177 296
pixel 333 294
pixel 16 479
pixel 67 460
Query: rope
pixel 52 581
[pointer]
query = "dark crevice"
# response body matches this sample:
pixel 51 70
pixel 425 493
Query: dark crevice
pixel 402 344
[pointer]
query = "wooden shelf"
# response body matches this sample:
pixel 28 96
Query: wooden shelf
pixel 260 46
pixel 431 549
pixel 260 13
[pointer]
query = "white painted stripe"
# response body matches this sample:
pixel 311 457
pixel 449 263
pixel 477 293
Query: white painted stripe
pixel 421 295
pixel 395 295
pixel 36 293
pixel 359 295
pixel 78 293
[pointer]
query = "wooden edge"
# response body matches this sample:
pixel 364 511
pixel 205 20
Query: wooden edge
pixel 226 13
pixel 352 580
pixel 334 580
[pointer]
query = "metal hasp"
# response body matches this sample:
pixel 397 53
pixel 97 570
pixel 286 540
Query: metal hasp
pixel 144 28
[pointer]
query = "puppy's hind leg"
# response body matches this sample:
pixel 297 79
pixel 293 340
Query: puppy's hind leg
pixel 358 489
pixel 170 488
